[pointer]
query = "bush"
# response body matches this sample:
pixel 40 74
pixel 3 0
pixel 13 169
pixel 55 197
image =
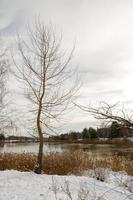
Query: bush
pixel 2 137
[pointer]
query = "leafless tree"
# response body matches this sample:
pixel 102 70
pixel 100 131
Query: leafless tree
pixel 109 113
pixel 4 69
pixel 48 76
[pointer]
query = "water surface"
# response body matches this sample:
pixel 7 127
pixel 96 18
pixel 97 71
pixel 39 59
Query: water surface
pixel 103 150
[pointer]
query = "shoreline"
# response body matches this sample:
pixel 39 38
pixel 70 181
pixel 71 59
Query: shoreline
pixel 119 142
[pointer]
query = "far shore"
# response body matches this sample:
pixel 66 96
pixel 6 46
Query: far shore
pixel 102 141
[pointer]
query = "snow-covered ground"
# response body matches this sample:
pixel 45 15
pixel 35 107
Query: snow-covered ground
pixel 16 185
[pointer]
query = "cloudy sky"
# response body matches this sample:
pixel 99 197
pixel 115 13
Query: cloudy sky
pixel 103 31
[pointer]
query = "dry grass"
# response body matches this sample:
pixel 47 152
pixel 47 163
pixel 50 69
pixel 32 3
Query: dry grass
pixel 64 163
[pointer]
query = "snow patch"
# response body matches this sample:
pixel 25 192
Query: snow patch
pixel 16 185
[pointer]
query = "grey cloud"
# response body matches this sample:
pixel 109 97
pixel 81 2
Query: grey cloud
pixel 15 24
pixel 105 64
pixel 111 92
pixel 105 92
pixel 128 102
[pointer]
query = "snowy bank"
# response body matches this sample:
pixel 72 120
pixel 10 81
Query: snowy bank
pixel 16 185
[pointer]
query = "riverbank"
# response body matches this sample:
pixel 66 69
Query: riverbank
pixel 125 142
pixel 116 141
pixel 30 186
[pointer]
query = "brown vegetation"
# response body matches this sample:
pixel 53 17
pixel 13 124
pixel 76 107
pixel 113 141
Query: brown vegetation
pixel 64 163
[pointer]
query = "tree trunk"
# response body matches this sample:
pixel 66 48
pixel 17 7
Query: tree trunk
pixel 39 164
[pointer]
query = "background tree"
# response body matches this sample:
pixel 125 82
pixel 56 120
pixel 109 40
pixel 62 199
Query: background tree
pixel 2 137
pixel 85 133
pixel 73 136
pixel 49 78
pixel 115 129
pixel 110 113
pixel 4 71
pixel 92 133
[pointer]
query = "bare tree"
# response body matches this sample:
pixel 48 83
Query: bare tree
pixel 4 69
pixel 49 78
pixel 109 113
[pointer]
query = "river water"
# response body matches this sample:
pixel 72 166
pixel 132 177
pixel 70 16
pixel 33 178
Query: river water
pixel 103 150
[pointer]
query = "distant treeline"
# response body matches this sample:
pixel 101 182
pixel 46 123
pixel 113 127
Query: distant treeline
pixel 73 135
pixel 115 130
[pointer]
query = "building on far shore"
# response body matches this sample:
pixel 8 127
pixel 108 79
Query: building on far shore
pixel 10 129
pixel 120 132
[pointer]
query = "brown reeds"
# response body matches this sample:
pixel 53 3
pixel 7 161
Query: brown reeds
pixel 64 163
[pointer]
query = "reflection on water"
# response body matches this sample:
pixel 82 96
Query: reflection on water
pixel 93 149
pixel 28 147
pixel 1 145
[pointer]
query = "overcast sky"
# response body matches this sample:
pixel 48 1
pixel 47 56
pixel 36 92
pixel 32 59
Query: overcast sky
pixel 103 30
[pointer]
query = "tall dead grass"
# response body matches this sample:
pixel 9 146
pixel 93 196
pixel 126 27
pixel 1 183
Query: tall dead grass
pixel 64 163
